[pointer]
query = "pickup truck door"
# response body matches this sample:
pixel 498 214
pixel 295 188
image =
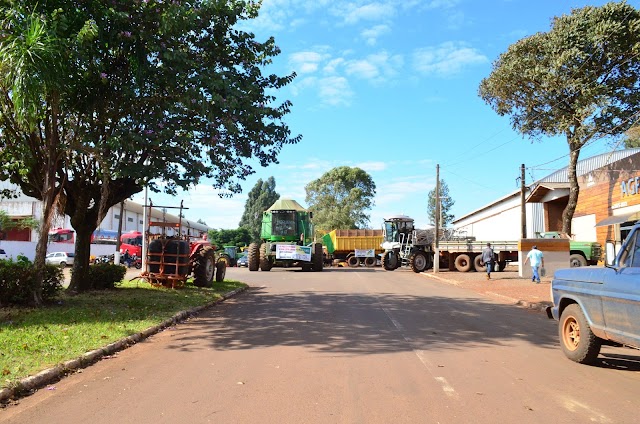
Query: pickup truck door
pixel 621 296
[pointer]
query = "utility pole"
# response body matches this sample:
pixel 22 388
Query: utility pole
pixel 436 255
pixel 523 205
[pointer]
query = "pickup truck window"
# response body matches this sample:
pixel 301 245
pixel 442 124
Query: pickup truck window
pixel 631 255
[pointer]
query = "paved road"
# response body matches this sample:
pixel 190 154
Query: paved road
pixel 347 346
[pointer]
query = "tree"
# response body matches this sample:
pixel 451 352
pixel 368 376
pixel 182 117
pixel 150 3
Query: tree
pixel 446 204
pixel 632 137
pixel 260 198
pixel 580 80
pixel 163 94
pixel 340 198
pixel 240 237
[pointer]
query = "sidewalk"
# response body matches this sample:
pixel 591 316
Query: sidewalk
pixel 504 286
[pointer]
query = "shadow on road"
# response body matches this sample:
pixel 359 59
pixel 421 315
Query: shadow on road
pixel 364 324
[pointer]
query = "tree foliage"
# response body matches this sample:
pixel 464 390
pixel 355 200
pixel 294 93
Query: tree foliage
pixel 240 237
pixel 98 99
pixel 580 80
pixel 340 199
pixel 446 204
pixel 632 137
pixel 260 198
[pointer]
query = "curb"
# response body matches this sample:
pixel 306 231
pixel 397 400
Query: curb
pixel 50 375
pixel 535 306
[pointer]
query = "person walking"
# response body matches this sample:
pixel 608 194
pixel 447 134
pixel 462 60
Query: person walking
pixel 488 259
pixel 536 258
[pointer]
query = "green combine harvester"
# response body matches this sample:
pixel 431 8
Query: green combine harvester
pixel 287 239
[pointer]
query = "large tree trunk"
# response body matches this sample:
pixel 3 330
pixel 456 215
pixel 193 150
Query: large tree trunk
pixel 83 220
pixel 574 188
pixel 79 280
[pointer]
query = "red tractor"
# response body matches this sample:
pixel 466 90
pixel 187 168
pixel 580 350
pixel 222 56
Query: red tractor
pixel 172 259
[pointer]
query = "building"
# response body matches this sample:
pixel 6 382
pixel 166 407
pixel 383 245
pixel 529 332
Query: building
pixel 132 213
pixel 608 204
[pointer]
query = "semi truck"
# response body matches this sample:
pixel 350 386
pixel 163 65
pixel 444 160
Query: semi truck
pixel 355 247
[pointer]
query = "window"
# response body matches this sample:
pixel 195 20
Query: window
pixel 141 222
pixel 116 216
pixel 129 219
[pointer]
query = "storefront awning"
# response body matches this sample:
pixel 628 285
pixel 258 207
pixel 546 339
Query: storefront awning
pixel 542 189
pixel 619 219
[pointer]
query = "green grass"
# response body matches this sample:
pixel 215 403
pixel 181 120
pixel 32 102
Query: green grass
pixel 32 340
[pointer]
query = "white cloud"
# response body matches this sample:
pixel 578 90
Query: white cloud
pixel 372 166
pixel 375 67
pixel 372 34
pixel 335 91
pixel 446 59
pixel 368 12
pixel 305 62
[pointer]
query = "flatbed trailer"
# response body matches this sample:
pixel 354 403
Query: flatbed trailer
pixel 466 255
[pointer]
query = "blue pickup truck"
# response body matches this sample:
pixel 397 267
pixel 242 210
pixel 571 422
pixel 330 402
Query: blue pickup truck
pixel 599 305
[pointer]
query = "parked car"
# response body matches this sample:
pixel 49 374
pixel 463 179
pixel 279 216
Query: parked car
pixel 243 261
pixel 3 254
pixel 59 258
pixel 597 306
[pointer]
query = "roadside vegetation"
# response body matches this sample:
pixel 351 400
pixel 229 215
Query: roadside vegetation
pixel 34 339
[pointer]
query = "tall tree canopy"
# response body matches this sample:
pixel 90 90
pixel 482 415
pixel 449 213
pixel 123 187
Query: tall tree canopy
pixel 99 98
pixel 340 199
pixel 446 204
pixel 580 80
pixel 632 137
pixel 260 198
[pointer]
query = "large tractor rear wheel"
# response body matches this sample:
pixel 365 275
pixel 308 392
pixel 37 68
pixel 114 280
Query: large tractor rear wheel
pixel 253 257
pixel 265 263
pixel 317 259
pixel 204 266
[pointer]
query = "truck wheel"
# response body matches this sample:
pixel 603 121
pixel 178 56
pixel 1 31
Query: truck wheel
pixel 204 267
pixel 502 265
pixel 265 263
pixel 577 260
pixel 576 338
pixel 253 257
pixel 463 263
pixel 389 261
pixel 478 264
pixel 369 262
pixel 221 270
pixel 418 261
pixel 317 258
pixel 353 261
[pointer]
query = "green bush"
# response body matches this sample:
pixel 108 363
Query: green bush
pixel 17 282
pixel 106 276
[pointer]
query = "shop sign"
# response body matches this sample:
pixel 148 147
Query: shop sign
pixel 630 187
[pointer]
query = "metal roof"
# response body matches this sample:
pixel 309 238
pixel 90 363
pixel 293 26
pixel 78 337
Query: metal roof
pixel 587 165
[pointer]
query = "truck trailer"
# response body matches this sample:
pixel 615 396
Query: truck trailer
pixel 355 247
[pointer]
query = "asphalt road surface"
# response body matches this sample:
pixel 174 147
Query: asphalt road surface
pixel 346 346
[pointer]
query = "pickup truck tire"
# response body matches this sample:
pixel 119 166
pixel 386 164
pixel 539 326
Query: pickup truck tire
pixel 577 260
pixel 463 263
pixel 576 338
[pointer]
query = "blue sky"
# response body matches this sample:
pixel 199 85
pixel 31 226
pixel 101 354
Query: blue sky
pixel 391 86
